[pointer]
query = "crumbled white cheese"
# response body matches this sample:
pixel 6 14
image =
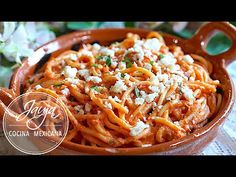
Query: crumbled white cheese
pixel 143 94
pixel 116 99
pixel 176 123
pixel 38 87
pixel 127 76
pixel 72 80
pixel 114 64
pixel 69 72
pixel 150 97
pixel 118 76
pixel 174 68
pixel 188 59
pixel 177 78
pixel 84 73
pixel 78 107
pixel 131 84
pixel 87 90
pixel 191 79
pixel 152 44
pixel 82 66
pixel 65 91
pixel 88 107
pixel 139 101
pixel 81 112
pixel 71 56
pixel 154 88
pixel 122 65
pixel 119 87
pixel 168 60
pixel 155 80
pixel 174 101
pixel 94 79
pixel 138 128
pixel 96 46
pixel 188 93
pixel 106 51
pixel 138 50
pixel 148 66
pixel 161 77
pixel 150 55
pixel 85 53
pixel 162 87
pixel 108 105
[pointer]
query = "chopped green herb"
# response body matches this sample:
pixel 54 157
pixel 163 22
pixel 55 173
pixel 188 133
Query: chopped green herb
pixel 180 88
pixel 108 60
pixel 127 59
pixel 122 75
pixel 95 88
pixel 161 56
pixel 94 65
pixel 128 62
pixel 99 57
pixel 58 85
pixel 137 92
pixel 151 62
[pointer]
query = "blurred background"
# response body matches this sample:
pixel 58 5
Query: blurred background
pixel 19 39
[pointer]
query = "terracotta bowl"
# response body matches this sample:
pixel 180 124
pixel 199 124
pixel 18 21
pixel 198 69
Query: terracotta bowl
pixel 192 144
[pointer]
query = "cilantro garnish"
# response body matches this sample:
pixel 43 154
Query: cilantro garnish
pixel 128 62
pixel 94 65
pixel 137 92
pixel 161 56
pixel 151 62
pixel 95 88
pixel 58 85
pixel 108 60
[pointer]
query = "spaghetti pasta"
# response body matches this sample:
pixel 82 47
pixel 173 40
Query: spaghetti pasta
pixel 130 93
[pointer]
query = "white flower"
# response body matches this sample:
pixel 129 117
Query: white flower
pixel 20 39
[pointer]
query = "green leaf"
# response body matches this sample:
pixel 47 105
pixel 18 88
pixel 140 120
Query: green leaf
pixel 94 65
pixel 95 88
pixel 130 24
pixel 99 57
pixel 82 25
pixel 151 63
pixel 218 44
pixel 108 60
pixel 161 56
pixel 137 92
pixel 58 85
pixel 128 62
pixel 5 74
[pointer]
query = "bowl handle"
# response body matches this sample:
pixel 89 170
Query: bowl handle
pixel 203 35
pixel 6 96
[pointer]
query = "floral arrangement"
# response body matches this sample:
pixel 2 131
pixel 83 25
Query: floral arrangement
pixel 19 39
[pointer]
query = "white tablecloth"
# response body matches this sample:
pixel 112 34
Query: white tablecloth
pixel 225 142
